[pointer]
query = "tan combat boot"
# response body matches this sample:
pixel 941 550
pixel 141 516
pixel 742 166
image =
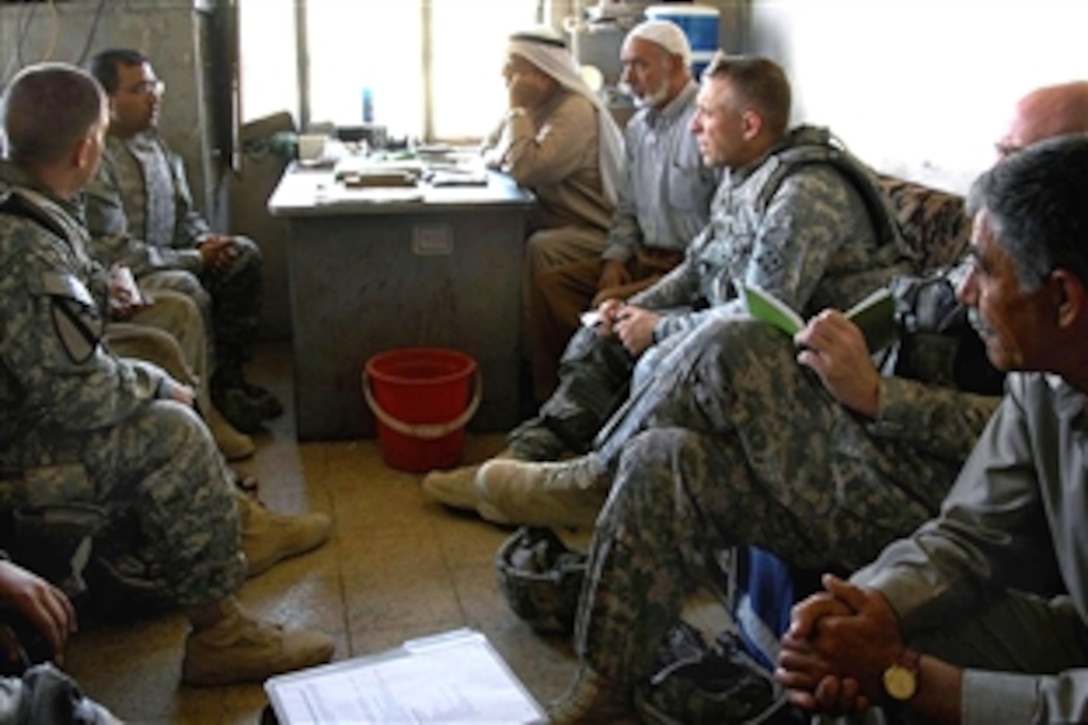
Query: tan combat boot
pixel 233 444
pixel 268 538
pixel 564 494
pixel 592 699
pixel 241 648
pixel 457 488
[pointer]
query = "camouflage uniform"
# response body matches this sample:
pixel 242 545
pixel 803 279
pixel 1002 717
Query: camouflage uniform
pixel 813 245
pixel 733 442
pixel 140 212
pixel 97 440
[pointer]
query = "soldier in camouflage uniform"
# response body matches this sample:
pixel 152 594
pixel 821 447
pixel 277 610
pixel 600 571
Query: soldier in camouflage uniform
pixel 140 212
pixel 822 463
pixel 105 445
pixel 812 238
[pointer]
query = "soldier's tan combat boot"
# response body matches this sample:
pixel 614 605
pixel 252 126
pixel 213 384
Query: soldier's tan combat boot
pixel 564 494
pixel 241 648
pixel 232 443
pixel 269 538
pixel 457 488
pixel 592 699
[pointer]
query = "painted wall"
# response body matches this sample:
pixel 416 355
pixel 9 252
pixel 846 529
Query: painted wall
pixel 921 88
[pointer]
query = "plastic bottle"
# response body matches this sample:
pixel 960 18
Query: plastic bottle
pixel 368 105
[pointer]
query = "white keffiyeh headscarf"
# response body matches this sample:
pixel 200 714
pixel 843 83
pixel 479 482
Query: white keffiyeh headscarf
pixel 547 50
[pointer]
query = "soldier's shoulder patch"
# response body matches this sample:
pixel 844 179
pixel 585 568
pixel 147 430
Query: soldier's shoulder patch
pixel 76 319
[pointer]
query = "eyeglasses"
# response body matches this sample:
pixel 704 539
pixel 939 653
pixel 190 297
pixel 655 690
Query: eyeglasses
pixel 145 87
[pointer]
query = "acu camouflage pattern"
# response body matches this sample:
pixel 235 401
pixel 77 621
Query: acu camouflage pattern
pixel 731 441
pixel 120 209
pixel 813 244
pixel 90 437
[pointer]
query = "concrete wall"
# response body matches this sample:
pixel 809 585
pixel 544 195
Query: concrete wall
pixel 173 33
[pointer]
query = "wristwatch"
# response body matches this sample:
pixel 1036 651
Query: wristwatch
pixel 901 678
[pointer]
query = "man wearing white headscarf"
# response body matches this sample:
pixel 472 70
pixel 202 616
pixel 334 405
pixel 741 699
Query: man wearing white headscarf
pixel 559 140
pixel 664 200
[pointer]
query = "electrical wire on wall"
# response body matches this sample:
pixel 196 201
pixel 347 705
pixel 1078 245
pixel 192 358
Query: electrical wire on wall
pixel 25 21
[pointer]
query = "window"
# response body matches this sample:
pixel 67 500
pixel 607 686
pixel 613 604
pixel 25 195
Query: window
pixel 449 88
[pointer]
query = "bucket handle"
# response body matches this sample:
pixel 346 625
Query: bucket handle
pixel 425 431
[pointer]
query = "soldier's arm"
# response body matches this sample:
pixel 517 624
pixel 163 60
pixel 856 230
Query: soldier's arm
pixel 50 344
pixel 192 227
pixel 803 228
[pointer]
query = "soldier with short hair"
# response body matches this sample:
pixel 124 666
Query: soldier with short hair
pixel 812 233
pixel 111 447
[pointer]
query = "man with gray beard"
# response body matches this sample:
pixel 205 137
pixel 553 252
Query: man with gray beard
pixel 664 198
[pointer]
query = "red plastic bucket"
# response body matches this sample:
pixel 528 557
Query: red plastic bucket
pixel 422 398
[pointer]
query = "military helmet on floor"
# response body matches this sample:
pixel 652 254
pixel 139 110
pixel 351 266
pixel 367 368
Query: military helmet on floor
pixel 541 578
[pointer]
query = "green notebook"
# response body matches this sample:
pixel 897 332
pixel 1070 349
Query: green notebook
pixel 874 315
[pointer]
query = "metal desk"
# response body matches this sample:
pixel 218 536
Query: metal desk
pixel 373 270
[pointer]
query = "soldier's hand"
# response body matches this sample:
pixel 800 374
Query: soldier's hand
pixel 184 395
pixel 39 601
pixel 835 349
pixel 635 328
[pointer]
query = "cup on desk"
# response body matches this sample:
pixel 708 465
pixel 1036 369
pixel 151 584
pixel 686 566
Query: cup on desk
pixel 310 146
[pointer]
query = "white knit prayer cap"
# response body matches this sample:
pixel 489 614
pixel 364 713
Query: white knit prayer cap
pixel 665 33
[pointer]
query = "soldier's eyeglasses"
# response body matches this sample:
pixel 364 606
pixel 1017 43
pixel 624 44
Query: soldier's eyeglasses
pixel 144 87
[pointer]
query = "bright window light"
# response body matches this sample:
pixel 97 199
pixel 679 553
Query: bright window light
pixel 378 45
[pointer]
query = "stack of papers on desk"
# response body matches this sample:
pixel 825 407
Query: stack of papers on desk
pixel 452 677
pixel 457 177
pixel 362 166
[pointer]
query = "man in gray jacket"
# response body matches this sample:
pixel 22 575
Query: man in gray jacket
pixel 932 628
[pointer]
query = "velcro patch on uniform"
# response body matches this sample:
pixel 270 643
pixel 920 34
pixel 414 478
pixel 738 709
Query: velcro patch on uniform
pixel 76 318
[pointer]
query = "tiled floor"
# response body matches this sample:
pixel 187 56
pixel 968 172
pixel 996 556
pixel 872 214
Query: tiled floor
pixel 397 567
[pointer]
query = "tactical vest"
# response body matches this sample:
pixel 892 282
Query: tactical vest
pixel 807 145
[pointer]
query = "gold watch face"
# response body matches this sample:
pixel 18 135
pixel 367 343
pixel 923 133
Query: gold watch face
pixel 899 682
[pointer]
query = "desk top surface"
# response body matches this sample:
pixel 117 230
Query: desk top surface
pixel 315 192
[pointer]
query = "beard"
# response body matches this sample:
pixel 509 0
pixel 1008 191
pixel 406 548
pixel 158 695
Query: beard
pixel 650 98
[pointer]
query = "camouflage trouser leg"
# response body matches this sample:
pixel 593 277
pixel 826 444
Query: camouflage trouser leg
pixel 678 497
pixel 236 305
pixel 160 469
pixel 648 543
pixel 593 378
pixel 738 377
pixel 170 334
pixel 179 282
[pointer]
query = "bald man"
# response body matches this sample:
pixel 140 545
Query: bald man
pixel 1044 113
